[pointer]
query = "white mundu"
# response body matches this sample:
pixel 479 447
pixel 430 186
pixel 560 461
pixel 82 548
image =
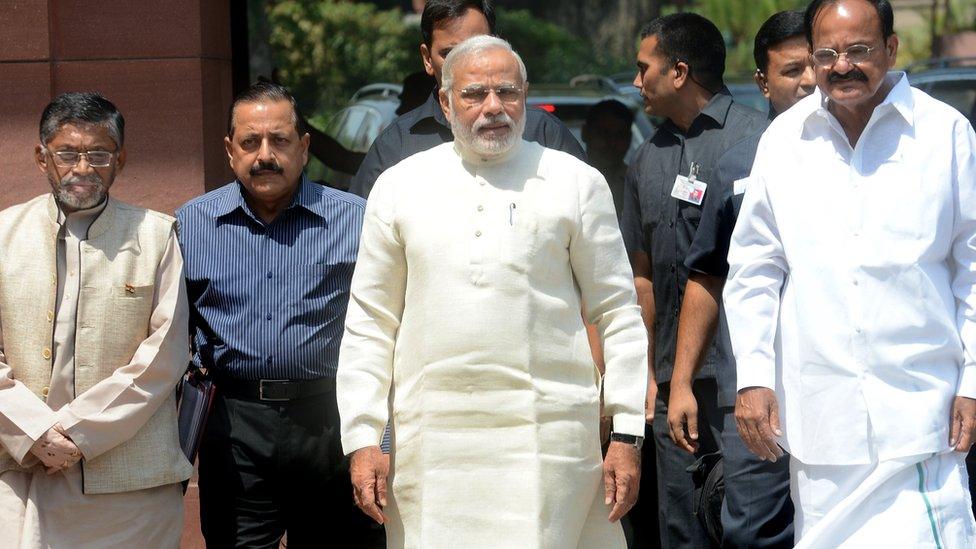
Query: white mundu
pixel 464 328
pixel 852 294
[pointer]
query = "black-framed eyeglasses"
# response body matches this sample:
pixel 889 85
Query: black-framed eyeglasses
pixel 828 57
pixel 476 94
pixel 70 159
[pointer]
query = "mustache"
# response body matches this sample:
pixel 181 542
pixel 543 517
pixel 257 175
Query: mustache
pixel 852 76
pixel 501 118
pixel 264 167
pixel 92 179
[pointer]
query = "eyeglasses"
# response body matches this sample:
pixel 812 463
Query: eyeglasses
pixel 477 94
pixel 70 159
pixel 827 57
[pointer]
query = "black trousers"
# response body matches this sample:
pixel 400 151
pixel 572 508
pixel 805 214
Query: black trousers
pixel 271 468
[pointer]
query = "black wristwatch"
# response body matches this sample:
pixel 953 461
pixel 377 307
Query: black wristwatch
pixel 635 441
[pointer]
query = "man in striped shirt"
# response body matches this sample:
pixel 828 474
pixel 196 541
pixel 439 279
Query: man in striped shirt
pixel 269 259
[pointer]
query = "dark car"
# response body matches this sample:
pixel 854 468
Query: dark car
pixel 952 81
pixel 571 102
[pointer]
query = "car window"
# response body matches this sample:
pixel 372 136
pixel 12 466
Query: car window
pixel 961 94
pixel 355 127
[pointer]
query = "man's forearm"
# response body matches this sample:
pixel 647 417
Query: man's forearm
pixel 696 326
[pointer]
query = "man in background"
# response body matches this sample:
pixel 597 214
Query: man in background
pixel 757 511
pixel 681 63
pixel 444 24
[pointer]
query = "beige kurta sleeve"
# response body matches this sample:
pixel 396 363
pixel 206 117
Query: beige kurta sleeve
pixel 606 284
pixel 116 408
pixel 24 417
pixel 372 321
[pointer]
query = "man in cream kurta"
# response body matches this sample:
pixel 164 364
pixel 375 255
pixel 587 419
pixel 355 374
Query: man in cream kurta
pixel 464 329
pixel 103 281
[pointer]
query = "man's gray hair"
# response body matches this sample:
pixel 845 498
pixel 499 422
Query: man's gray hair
pixel 474 46
pixel 82 108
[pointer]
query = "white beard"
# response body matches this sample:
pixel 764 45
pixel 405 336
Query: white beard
pixel 469 137
pixel 96 195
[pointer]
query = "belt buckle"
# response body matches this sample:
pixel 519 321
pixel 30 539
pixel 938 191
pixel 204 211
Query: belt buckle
pixel 271 385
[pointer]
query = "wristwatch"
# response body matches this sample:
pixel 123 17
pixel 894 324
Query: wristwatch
pixel 635 441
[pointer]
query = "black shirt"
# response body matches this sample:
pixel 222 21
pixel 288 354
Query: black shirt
pixel 662 226
pixel 426 127
pixel 709 253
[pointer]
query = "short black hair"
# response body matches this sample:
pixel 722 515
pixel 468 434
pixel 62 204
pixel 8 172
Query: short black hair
pixel 262 91
pixel 609 108
pixel 82 108
pixel 883 7
pixel 691 39
pixel 777 29
pixel 436 11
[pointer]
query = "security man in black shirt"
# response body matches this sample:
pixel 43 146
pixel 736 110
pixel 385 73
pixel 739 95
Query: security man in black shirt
pixel 758 512
pixel 681 62
pixel 445 24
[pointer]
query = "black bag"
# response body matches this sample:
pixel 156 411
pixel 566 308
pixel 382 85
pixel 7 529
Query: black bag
pixel 709 477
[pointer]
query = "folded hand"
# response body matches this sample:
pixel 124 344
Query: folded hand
pixel 55 450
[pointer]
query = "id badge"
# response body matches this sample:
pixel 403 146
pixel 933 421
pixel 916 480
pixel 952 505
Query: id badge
pixel 689 190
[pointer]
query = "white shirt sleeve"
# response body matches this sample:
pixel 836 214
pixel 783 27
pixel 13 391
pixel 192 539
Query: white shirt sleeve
pixel 757 272
pixel 114 409
pixel 373 317
pixel 601 269
pixel 963 258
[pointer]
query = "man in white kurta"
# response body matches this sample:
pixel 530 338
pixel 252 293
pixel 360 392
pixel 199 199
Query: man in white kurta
pixel 851 298
pixel 112 413
pixel 464 330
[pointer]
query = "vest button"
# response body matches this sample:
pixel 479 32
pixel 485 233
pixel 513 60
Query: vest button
pixel 46 353
pixel 45 391
pixel 50 316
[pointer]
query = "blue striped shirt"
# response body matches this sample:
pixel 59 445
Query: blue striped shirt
pixel 269 301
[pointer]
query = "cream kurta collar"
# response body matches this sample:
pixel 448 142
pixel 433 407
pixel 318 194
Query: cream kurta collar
pixel 98 227
pixel 470 158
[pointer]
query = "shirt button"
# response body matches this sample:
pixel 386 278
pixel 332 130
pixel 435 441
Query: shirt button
pixel 269 274
pixel 672 267
pixel 671 223
pixel 855 282
pixel 857 329
pixel 482 182
pixel 268 360
pixel 46 353
pixel 269 316
pixel 477 233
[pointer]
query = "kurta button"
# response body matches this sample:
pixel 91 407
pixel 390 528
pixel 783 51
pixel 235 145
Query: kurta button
pixel 46 353
pixel 481 208
pixel 50 316
pixel 45 391
pixel 477 233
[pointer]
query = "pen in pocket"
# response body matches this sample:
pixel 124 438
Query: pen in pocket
pixel 511 214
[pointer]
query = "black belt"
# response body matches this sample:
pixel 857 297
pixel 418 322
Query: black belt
pixel 273 390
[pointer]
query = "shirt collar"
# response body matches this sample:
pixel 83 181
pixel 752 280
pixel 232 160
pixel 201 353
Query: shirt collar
pixel 899 99
pixel 306 197
pixel 717 109
pixel 432 109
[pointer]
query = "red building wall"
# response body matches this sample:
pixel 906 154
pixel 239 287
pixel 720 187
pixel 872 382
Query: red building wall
pixel 166 65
